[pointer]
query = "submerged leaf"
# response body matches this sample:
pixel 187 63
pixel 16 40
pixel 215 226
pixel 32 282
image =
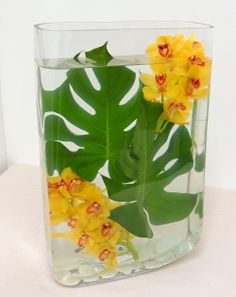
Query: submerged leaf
pixel 133 213
pixel 147 176
pixel 105 133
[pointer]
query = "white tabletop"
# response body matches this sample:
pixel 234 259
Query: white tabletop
pixel 210 270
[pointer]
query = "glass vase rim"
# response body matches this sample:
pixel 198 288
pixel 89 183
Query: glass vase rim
pixel 120 25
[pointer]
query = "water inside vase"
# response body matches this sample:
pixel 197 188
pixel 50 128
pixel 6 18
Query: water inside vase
pixel 71 266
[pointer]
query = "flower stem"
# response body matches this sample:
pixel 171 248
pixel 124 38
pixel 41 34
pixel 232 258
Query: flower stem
pixel 128 244
pixel 162 98
pixel 161 123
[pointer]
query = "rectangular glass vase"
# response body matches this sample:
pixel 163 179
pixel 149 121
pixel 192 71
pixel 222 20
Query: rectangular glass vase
pixel 122 111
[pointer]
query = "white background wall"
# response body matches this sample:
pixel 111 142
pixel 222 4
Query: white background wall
pixel 18 81
pixel 3 156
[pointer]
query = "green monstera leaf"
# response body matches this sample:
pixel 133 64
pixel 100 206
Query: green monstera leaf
pixel 105 125
pixel 147 176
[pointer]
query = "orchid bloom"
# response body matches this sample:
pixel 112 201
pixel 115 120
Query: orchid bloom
pixel 180 74
pixel 85 209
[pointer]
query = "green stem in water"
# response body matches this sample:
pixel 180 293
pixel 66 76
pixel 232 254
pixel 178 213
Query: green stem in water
pixel 123 253
pixel 161 123
pixel 162 98
pixel 128 244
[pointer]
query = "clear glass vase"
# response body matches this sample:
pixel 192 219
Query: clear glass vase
pixel 122 111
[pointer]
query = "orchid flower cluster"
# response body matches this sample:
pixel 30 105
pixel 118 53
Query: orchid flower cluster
pixel 181 73
pixel 85 209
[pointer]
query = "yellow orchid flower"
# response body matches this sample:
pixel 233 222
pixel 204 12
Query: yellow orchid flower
pixel 153 90
pixel 157 85
pixel 88 190
pixel 54 181
pixel 105 252
pixel 83 240
pixel 195 49
pixel 97 230
pixel 167 48
pixel 195 82
pixel 177 110
pixel 107 230
pixel 96 207
pixel 81 213
pixel 83 236
pixel 86 210
pixel 68 184
pixel 79 236
pixel 68 175
pixel 69 191
pixel 74 183
pixel 181 72
pixel 59 208
pixel 99 237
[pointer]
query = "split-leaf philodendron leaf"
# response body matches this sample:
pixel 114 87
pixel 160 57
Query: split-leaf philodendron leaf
pixel 105 128
pixel 144 191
